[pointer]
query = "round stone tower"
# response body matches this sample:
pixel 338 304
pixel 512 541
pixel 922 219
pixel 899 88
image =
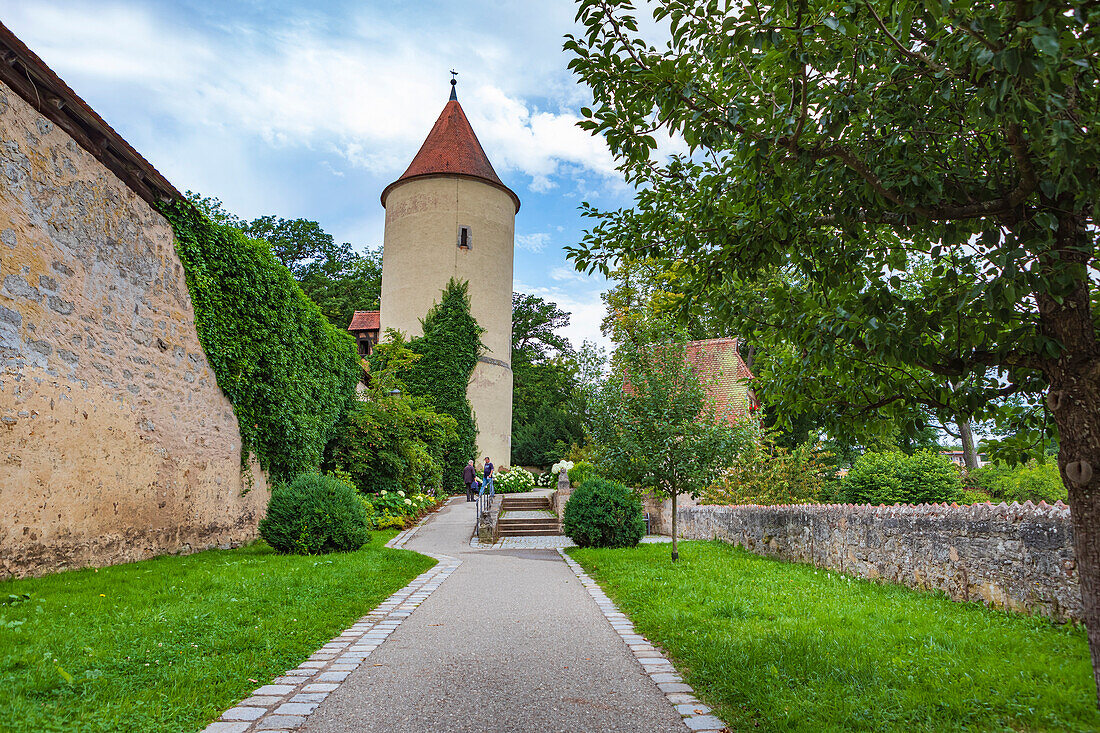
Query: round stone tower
pixel 449 216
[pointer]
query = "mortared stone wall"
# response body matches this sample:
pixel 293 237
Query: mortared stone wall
pixel 1018 557
pixel 116 443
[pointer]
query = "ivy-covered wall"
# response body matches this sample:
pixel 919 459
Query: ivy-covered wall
pixel 288 372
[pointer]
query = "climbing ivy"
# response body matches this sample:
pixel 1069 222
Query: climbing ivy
pixel 289 374
pixel 449 351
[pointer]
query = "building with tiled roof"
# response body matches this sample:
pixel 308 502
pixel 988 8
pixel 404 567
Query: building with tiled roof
pixel 365 327
pixel 449 216
pixel 725 374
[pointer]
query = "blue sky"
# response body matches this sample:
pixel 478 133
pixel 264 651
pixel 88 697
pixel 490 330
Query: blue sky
pixel 310 109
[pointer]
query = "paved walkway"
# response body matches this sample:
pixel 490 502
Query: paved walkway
pixel 512 641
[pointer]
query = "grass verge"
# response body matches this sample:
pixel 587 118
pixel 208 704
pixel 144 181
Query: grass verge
pixel 785 647
pixel 168 644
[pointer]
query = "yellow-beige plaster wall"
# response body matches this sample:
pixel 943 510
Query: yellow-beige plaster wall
pixel 420 255
pixel 116 443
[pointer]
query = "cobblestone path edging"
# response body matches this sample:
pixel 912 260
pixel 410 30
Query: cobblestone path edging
pixel 285 704
pixel 696 716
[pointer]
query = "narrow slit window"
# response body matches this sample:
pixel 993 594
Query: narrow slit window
pixel 464 238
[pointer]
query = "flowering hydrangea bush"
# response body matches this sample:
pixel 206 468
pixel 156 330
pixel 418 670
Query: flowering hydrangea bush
pixel 514 480
pixel 561 466
pixel 396 509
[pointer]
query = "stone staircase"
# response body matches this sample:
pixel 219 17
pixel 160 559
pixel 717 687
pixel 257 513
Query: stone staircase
pixel 527 515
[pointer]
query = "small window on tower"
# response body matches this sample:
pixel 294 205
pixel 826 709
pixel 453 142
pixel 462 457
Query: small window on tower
pixel 464 238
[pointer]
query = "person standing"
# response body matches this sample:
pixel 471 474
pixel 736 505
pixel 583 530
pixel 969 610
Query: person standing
pixel 489 468
pixel 468 476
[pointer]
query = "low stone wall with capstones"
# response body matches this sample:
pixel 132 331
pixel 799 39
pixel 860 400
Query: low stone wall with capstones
pixel 1018 557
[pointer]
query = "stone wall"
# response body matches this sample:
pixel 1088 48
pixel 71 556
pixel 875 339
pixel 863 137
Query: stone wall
pixel 1018 557
pixel 660 511
pixel 116 443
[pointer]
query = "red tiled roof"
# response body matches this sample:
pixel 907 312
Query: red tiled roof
pixel 720 366
pixel 365 321
pixel 707 355
pixel 724 374
pixel 452 148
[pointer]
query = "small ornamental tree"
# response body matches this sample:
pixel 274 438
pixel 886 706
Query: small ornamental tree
pixel 652 423
pixel 449 350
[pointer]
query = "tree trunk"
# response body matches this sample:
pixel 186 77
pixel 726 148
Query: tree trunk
pixel 675 554
pixel 970 456
pixel 1074 401
pixel 1077 414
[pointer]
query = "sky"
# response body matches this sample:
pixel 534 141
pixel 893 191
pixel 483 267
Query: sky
pixel 309 109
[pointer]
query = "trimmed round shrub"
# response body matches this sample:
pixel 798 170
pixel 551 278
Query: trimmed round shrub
pixel 514 480
pixel 313 515
pixel 895 478
pixel 603 513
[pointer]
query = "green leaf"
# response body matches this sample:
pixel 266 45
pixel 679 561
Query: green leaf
pixel 1046 42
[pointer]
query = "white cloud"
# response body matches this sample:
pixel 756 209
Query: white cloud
pixel 369 91
pixel 567 274
pixel 584 305
pixel 532 242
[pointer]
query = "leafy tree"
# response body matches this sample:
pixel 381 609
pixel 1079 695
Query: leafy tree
pixel 448 350
pixel 294 242
pixel 390 439
pixel 344 284
pixel 335 277
pixel 851 142
pixel 546 418
pixel 534 322
pixel 652 423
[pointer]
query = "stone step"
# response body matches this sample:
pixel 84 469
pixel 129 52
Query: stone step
pixel 530 525
pixel 530 532
pixel 529 506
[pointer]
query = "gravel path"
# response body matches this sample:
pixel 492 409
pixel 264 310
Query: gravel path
pixel 512 641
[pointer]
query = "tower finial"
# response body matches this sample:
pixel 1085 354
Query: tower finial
pixel 454 83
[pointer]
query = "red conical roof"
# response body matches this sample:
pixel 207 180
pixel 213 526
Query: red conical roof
pixel 452 149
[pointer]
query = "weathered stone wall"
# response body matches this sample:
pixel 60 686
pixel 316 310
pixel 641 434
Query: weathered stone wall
pixel 1018 557
pixel 115 441
pixel 660 511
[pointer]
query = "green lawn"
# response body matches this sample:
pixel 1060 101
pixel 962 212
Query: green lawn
pixel 784 647
pixel 167 644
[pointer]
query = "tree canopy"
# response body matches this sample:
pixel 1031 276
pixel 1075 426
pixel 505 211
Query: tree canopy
pixel 334 276
pixel 546 416
pixel 837 150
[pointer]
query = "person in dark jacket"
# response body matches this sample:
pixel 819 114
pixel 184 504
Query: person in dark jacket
pixel 468 476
